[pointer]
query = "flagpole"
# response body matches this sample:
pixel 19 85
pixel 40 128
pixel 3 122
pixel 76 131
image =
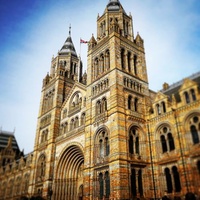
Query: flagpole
pixel 80 47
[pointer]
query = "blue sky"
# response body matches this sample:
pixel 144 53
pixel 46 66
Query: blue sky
pixel 31 32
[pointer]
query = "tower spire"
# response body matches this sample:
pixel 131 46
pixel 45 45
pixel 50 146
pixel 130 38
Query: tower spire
pixel 70 30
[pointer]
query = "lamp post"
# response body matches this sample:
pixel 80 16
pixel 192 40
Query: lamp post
pixel 181 149
pixel 151 158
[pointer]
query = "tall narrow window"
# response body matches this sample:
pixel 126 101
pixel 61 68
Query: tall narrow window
pixel 129 61
pixel 163 107
pixel 83 119
pixel 198 166
pixel 131 144
pixel 136 104
pixel 187 98
pixel 129 102
pixel 158 109
pixel 163 143
pixel 195 136
pixel 122 59
pixel 101 150
pixel 101 186
pixel 176 179
pixel 193 94
pixel 137 145
pixel 107 146
pixel 107 180
pixel 135 64
pixel 108 59
pixel 140 186
pixel 171 142
pixel 104 104
pixel 133 183
pixel 168 180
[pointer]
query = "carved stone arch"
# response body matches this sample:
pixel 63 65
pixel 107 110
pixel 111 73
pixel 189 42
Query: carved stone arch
pixel 70 163
pixel 72 99
pixel 138 128
pixel 188 117
pixel 161 125
pixel 101 128
pixel 68 145
pixel 192 127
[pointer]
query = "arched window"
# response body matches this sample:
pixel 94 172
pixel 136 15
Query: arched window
pixel 163 107
pixel 107 59
pixel 83 119
pixel 65 127
pixel 192 92
pixel 167 140
pixel 176 176
pixel 130 102
pixel 102 146
pixel 25 184
pixel 168 180
pixel 102 64
pixel 41 166
pixel 187 98
pixel 104 104
pixel 195 129
pixel 76 122
pixel 134 141
pixel 72 124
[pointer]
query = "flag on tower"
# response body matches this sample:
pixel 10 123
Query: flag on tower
pixel 83 41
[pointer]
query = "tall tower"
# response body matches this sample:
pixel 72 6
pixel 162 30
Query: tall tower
pixel 117 91
pixel 66 69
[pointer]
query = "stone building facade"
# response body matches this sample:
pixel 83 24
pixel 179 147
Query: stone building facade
pixel 105 134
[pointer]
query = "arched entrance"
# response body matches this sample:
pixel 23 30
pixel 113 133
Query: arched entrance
pixel 69 175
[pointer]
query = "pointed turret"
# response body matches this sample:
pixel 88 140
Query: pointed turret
pixel 68 46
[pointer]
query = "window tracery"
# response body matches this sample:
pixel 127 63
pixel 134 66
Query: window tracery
pixel 195 129
pixel 134 141
pixel 101 106
pixel 102 146
pixel 101 64
pixel 41 166
pixel 166 139
pixel 133 103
